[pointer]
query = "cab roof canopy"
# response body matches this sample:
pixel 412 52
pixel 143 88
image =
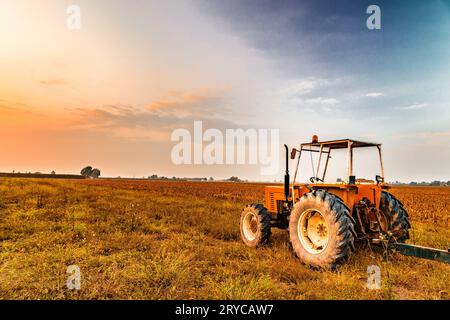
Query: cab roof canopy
pixel 340 144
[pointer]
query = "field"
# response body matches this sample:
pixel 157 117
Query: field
pixel 180 240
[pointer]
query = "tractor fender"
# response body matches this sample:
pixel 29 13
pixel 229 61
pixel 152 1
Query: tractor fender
pixel 343 203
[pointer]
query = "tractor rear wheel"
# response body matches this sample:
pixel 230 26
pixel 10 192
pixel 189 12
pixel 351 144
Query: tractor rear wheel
pixel 321 231
pixel 255 225
pixel 398 217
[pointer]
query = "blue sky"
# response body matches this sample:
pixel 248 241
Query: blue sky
pixel 390 85
pixel 136 71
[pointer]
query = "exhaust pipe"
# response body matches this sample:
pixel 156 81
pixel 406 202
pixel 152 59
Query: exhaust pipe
pixel 286 176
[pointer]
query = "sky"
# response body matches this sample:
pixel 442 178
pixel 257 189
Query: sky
pixel 112 93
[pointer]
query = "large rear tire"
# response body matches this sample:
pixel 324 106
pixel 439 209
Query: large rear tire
pixel 393 209
pixel 321 231
pixel 255 225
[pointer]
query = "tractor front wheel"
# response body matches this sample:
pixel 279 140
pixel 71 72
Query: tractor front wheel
pixel 321 230
pixel 255 225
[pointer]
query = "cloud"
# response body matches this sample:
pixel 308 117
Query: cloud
pixel 426 137
pixel 17 119
pixel 322 101
pixel 414 106
pixel 304 87
pixel 156 120
pixel 374 94
pixel 308 95
pixel 435 134
pixel 53 82
pixel 137 123
pixel 205 103
pixel 152 121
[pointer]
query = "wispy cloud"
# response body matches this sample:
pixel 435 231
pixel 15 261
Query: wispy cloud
pixel 19 116
pixel 311 95
pixel 153 121
pixel 205 102
pixel 136 123
pixel 304 87
pixel 53 82
pixel 322 101
pixel 157 119
pixel 374 94
pixel 414 106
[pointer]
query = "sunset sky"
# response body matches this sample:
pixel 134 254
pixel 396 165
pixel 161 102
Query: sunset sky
pixel 110 94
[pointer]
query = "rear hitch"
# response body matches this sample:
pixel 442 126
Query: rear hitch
pixel 422 252
pixel 413 250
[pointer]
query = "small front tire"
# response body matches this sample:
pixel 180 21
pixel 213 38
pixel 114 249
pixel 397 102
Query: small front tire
pixel 255 225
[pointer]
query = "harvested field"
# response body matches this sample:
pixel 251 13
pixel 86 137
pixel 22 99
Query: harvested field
pixel 180 240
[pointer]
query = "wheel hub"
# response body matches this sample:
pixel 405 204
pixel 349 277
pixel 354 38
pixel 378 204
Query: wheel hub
pixel 313 231
pixel 250 226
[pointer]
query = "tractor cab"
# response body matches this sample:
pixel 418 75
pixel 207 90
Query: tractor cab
pixel 324 148
pixel 350 191
pixel 351 187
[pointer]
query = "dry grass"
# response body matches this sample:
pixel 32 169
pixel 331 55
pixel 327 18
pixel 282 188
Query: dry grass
pixel 180 240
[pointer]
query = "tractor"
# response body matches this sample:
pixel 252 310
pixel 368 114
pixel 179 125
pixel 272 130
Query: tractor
pixel 326 220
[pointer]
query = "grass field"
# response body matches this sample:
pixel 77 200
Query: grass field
pixel 180 240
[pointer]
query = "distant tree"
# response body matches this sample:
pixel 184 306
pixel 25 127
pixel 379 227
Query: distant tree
pixel 95 173
pixel 53 172
pixel 86 171
pixel 14 171
pixel 234 179
pixel 153 176
pixel 211 179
